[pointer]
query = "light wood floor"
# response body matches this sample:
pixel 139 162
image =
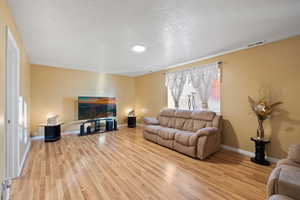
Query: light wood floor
pixel 122 165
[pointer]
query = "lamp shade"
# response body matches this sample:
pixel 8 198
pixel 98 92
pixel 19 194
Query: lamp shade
pixel 52 119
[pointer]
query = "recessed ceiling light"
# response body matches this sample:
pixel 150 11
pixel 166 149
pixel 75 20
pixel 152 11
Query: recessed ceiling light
pixel 139 48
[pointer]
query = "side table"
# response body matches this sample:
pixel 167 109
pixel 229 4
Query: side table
pixel 52 132
pixel 131 122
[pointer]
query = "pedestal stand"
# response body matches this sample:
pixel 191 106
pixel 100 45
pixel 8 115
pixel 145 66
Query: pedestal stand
pixel 131 122
pixel 260 151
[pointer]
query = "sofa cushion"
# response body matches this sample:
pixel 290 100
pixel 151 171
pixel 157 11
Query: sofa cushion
pixel 209 124
pixel 188 150
pixel 163 121
pixel 165 143
pixel 171 122
pixel 198 124
pixel 167 133
pixel 188 125
pixel 151 121
pixel 203 115
pixel 179 123
pixel 150 136
pixel 186 114
pixel 167 112
pixel 186 138
pixel 217 121
pixel 294 153
pixel 152 129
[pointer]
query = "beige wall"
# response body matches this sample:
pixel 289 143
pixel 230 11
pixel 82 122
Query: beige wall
pixel 7 20
pixel 56 90
pixel 273 67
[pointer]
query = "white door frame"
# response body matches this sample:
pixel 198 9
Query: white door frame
pixel 12 92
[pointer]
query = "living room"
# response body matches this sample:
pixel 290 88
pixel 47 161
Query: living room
pixel 150 100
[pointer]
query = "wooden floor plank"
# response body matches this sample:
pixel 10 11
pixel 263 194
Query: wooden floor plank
pixel 123 165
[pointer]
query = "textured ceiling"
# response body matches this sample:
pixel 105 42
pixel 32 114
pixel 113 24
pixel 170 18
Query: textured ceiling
pixel 97 35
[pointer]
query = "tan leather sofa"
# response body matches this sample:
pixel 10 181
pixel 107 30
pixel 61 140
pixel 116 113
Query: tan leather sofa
pixel 284 181
pixel 194 133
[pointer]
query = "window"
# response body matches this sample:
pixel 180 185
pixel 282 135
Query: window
pixel 190 99
pixel 23 122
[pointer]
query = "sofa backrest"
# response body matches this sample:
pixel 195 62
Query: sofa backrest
pixel 188 120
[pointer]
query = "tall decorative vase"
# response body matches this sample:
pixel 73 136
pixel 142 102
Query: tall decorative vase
pixel 263 110
pixel 260 130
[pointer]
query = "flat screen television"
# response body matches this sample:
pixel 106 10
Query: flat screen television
pixel 96 107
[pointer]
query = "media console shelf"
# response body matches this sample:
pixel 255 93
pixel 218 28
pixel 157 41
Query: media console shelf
pixel 99 125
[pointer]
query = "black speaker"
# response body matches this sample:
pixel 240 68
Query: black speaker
pixel 115 125
pixel 109 125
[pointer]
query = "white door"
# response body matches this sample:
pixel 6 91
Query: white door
pixel 12 107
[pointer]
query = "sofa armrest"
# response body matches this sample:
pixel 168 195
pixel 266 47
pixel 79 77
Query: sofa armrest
pixel 209 141
pixel 207 131
pixel 294 153
pixel 151 121
pixel 287 162
pixel 273 179
pixel 280 197
pixel 284 180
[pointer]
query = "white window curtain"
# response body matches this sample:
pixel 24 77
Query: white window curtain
pixel 175 82
pixel 202 79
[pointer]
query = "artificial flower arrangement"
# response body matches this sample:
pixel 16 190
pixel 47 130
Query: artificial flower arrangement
pixel 263 110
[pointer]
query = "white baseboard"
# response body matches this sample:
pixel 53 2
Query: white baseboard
pixel 66 132
pixel 121 125
pixel 140 124
pixel 248 153
pixel 38 137
pixel 70 132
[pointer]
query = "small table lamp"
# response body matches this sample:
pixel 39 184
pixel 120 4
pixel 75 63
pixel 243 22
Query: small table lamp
pixel 52 119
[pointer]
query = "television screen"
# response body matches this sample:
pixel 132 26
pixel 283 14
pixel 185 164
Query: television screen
pixel 96 107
